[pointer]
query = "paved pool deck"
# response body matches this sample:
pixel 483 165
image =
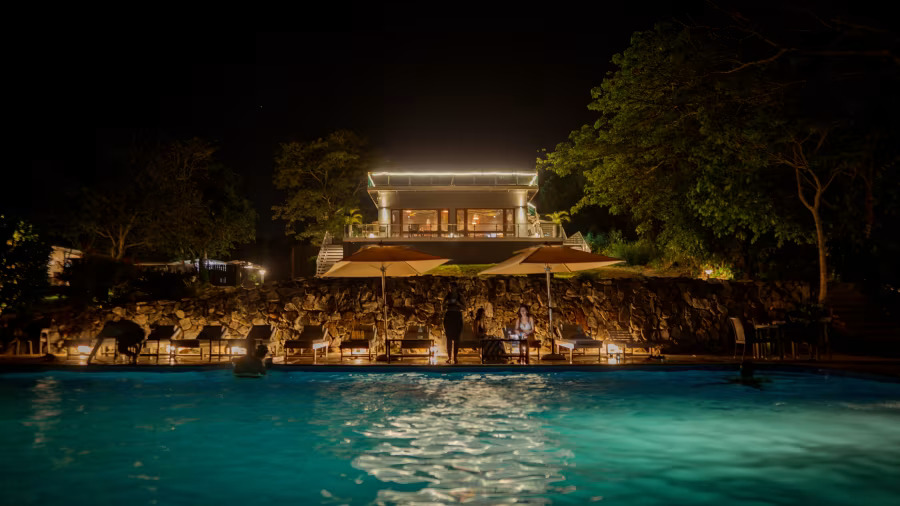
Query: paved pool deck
pixel 884 368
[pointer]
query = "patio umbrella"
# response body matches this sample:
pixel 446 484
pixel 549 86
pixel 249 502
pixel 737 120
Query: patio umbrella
pixel 547 259
pixel 384 261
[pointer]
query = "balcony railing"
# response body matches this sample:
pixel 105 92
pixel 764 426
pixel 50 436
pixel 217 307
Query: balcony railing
pixel 524 230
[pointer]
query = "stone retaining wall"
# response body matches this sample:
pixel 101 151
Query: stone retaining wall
pixel 680 314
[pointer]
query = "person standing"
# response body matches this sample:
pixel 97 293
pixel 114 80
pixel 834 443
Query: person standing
pixel 453 320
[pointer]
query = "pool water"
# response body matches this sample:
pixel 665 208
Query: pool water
pixel 620 437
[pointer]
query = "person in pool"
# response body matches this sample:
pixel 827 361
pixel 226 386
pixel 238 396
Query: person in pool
pixel 251 365
pixel 747 377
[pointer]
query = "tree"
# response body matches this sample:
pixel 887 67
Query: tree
pixel 353 217
pixel 170 198
pixel 23 265
pixel 323 178
pixel 665 144
pixel 699 121
pixel 559 217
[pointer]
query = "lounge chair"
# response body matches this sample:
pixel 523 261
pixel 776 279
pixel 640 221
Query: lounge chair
pixel 362 337
pixel 216 336
pixel 313 338
pixel 468 340
pixel 257 335
pixel 212 334
pixel 157 335
pixel 623 340
pixel 573 337
pixel 416 339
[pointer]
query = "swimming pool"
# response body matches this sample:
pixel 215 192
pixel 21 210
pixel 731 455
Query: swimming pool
pixel 622 437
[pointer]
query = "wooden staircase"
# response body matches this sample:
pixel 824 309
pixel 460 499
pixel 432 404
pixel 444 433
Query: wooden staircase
pixel 329 254
pixel 577 241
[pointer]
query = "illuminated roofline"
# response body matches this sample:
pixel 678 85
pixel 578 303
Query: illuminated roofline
pixel 492 173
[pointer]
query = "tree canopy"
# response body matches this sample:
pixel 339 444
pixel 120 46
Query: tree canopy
pixel 173 198
pixel 23 264
pixel 712 136
pixel 322 179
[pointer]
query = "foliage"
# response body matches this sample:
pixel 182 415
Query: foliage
pixel 23 265
pixel 640 252
pixel 323 178
pixel 352 216
pixel 715 271
pixel 96 280
pixel 699 123
pixel 212 217
pixel 173 199
pixel 559 217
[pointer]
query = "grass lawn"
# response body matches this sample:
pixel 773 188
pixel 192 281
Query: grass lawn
pixel 635 271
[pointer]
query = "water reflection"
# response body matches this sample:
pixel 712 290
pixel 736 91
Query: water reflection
pixel 46 398
pixel 477 440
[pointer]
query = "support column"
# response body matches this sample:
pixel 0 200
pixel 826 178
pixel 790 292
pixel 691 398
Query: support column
pixel 521 222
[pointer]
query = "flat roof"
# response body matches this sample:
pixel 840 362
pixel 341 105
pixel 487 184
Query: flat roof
pixel 491 177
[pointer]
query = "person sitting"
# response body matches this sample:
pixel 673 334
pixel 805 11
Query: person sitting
pixel 524 324
pixel 251 365
pixel 479 326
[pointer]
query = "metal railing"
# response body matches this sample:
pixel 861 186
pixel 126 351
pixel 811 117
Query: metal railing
pixel 449 231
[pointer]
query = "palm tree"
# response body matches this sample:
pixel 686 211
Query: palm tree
pixel 352 217
pixel 559 217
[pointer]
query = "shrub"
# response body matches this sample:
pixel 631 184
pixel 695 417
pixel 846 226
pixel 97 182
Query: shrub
pixel 640 252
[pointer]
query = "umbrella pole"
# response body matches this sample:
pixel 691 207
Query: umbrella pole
pixel 384 303
pixel 554 355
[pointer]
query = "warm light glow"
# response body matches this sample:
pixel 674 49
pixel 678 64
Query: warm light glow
pixel 238 350
pixel 612 349
pixel 371 236
pixel 493 173
pixel 434 356
pixel 84 349
pixel 169 348
pixel 708 272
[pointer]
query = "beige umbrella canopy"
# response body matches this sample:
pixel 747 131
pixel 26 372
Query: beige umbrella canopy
pixel 383 261
pixel 547 259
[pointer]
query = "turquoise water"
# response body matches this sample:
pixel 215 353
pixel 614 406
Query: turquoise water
pixel 617 437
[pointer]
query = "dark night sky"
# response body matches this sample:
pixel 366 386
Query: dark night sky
pixel 468 87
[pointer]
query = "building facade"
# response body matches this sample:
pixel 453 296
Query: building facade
pixel 471 217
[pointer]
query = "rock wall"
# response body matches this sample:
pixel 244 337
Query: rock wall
pixel 680 314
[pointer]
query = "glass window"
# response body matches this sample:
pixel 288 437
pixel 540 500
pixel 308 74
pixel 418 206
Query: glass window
pixel 445 219
pixel 485 222
pixel 420 220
